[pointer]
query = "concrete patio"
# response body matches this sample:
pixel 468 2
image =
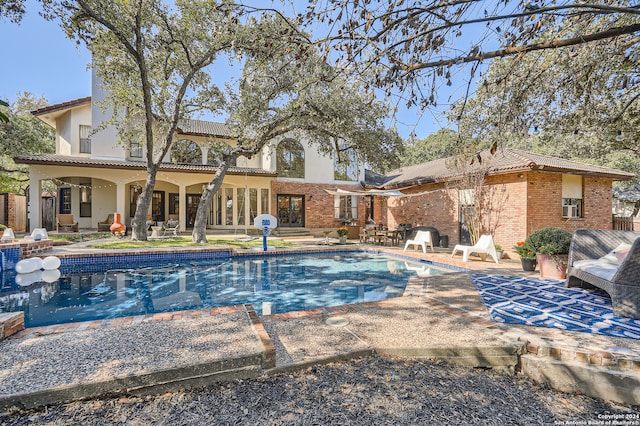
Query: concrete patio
pixel 439 317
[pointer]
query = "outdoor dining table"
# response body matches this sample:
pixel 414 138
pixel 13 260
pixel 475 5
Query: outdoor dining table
pixel 382 236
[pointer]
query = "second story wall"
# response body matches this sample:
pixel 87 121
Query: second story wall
pixel 104 144
pixel 318 167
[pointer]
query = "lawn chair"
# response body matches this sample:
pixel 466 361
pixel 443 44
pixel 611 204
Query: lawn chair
pixel 105 225
pixel 171 225
pixel 66 222
pixel 422 239
pixel 484 245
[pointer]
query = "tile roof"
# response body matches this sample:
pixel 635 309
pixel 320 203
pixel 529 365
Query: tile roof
pixel 188 126
pixel 504 161
pixel 65 160
pixel 61 106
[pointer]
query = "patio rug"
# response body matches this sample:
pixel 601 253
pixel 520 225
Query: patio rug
pixel 548 303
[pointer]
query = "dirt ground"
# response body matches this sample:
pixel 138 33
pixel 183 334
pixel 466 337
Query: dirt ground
pixel 369 391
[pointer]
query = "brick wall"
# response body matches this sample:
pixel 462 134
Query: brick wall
pixel 513 205
pixel 318 204
pixel 544 199
pixel 438 207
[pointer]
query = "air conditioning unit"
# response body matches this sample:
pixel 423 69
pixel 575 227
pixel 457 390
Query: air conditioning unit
pixel 569 211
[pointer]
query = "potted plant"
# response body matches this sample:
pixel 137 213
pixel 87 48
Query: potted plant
pixel 342 234
pixel 527 256
pixel 552 251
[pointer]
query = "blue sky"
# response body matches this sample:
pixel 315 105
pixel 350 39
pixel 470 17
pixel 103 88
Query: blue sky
pixel 36 57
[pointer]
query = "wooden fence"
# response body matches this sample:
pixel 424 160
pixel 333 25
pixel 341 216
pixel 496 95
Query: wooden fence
pixel 623 223
pixel 13 211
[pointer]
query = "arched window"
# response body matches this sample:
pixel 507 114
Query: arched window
pixel 290 159
pixel 215 152
pixel 186 151
pixel 346 166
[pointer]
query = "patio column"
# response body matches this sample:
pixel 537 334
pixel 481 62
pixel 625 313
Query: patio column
pixel 121 199
pixel 182 207
pixel 35 202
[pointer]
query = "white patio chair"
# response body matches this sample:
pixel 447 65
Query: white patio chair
pixel 171 225
pixel 484 245
pixel 422 239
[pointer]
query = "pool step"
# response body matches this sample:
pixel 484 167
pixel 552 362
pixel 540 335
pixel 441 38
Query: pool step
pixel 291 232
pixel 605 375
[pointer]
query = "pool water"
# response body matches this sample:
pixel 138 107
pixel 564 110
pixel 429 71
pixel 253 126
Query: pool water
pixel 272 284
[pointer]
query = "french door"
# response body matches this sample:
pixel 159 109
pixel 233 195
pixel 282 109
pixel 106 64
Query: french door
pixel 291 211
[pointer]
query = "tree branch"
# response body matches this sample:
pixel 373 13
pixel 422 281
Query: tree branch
pixel 515 50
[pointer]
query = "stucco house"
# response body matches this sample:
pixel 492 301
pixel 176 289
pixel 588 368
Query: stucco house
pixel 96 176
pixel 513 192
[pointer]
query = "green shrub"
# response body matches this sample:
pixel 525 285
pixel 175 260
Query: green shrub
pixel 551 241
pixel 2 227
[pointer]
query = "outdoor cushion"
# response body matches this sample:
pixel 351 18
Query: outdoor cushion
pixel 622 254
pixel 600 268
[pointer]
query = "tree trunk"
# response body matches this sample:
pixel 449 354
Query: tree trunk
pixel 139 224
pixel 199 234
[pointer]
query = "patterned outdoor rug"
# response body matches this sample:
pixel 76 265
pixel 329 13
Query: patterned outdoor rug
pixel 548 303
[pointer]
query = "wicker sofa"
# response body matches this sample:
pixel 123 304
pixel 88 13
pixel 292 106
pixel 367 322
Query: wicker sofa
pixel 597 259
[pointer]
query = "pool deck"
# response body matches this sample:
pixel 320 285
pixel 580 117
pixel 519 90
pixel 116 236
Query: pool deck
pixel 439 317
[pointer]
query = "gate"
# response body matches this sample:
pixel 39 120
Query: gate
pixel 48 213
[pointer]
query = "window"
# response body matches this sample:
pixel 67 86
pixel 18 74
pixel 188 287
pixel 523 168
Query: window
pixel 228 206
pixel 253 204
pixel 157 205
pixel 65 200
pixel 174 203
pixel 186 151
pixel 346 165
pixel 85 139
pixel 290 159
pixel 85 199
pixel 264 201
pixel 345 207
pixel 135 150
pixel 241 205
pixel 571 196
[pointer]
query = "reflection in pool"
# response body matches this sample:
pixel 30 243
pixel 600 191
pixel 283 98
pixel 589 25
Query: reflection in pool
pixel 273 284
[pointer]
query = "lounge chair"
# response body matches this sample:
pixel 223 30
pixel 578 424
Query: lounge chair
pixel 105 225
pixel 8 235
pixel 150 222
pixel 422 239
pixel 171 225
pixel 609 260
pixel 484 245
pixel 66 222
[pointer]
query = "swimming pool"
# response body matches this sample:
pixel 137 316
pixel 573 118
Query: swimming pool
pixel 272 284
